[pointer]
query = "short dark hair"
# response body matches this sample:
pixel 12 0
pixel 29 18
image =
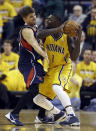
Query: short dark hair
pixel 57 17
pixel 8 41
pixel 26 10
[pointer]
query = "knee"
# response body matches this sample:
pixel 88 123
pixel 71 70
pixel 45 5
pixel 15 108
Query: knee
pixel 57 89
pixel 37 99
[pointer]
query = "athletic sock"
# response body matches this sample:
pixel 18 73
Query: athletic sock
pixel 43 102
pixel 64 98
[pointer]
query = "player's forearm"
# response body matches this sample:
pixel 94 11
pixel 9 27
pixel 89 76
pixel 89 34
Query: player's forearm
pixel 76 50
pixel 46 32
pixel 38 49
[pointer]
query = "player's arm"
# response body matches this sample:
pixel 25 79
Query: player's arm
pixel 42 34
pixel 74 46
pixel 28 35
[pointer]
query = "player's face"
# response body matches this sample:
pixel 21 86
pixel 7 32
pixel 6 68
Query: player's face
pixel 50 22
pixel 30 19
pixel 87 55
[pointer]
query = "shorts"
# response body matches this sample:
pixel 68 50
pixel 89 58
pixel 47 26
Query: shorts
pixel 33 73
pixel 59 75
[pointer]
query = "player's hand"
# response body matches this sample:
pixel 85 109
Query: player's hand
pixel 61 28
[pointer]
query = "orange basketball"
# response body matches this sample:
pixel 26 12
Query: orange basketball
pixel 71 28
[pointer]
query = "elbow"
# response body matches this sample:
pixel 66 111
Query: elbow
pixel 74 56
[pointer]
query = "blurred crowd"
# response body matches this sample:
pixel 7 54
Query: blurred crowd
pixel 83 82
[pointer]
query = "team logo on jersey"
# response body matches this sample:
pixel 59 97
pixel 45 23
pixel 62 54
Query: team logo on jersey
pixel 56 48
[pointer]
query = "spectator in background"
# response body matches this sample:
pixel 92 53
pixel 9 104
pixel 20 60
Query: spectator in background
pixel 77 15
pixel 89 27
pixel 4 99
pixel 9 81
pixel 93 4
pixel 94 56
pixel 17 4
pixel 14 81
pixel 7 12
pixel 83 46
pixel 75 85
pixel 1 26
pixel 87 71
pixel 8 56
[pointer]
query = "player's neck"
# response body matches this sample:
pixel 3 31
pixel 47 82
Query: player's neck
pixel 57 36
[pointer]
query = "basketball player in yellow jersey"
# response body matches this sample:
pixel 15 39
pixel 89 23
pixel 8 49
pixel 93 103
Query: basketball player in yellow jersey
pixel 60 49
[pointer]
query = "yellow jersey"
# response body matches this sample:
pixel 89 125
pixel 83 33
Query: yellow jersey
pixel 20 3
pixel 12 59
pixel 92 28
pixel 7 10
pixel 75 90
pixel 4 67
pixel 57 50
pixel 86 71
pixel 14 81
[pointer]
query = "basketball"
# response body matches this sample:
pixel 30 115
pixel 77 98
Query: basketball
pixel 71 28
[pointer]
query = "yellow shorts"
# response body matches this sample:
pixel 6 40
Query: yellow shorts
pixel 59 75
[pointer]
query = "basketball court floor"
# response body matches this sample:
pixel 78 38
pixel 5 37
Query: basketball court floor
pixel 87 120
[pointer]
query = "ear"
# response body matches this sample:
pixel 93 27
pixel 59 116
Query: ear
pixel 24 18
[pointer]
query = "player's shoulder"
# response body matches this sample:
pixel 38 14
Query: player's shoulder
pixel 64 35
pixel 26 28
pixel 27 32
